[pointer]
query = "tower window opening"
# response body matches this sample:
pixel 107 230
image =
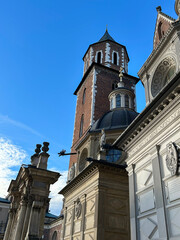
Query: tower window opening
pixel 84 96
pixel 115 58
pixel 81 126
pixel 118 100
pixel 126 101
pixel 99 57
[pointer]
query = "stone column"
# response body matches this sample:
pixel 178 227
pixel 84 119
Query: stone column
pixel 72 222
pixel 101 213
pixel 132 202
pixel 34 221
pixel 83 202
pixel 159 196
pixel 26 219
pixel 42 216
pixel 64 223
pixel 20 221
pixel 122 100
pixel 9 225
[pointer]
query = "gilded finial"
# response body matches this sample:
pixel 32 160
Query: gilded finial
pixel 121 73
pixel 121 83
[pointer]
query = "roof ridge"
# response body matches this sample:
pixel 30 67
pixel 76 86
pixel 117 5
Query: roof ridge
pixel 165 15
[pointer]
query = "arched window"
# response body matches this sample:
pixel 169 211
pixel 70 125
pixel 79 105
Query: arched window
pixel 118 100
pixel 99 57
pixel 81 126
pixel 54 237
pixel 115 58
pixel 82 159
pixel 84 96
pixel 126 100
pixel 160 30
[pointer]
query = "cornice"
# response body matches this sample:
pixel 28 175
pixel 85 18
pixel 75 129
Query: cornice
pixel 93 168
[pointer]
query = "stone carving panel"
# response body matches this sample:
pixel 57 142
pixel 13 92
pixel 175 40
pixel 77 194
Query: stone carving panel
pixel 77 226
pixel 149 228
pixel 78 208
pixel 89 236
pixel 144 177
pixel 116 205
pixel 90 207
pixel 89 222
pixel 172 162
pixel 173 189
pixel 117 222
pixel 146 201
pixel 174 217
pixel 69 216
pixel 162 75
pixel 67 230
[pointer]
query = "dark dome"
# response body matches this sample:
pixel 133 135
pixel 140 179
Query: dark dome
pixel 114 119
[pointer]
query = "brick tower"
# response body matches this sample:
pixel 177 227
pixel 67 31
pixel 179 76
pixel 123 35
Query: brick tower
pixel 102 62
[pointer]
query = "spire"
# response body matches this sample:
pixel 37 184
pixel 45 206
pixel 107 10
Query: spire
pixel 106 36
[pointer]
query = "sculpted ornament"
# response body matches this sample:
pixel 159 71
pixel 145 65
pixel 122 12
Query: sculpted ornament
pixel 172 162
pixel 78 208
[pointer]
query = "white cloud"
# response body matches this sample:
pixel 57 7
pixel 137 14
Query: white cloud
pixel 56 199
pixel 10 156
pixel 6 119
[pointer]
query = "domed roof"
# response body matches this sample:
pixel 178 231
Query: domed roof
pixel 115 119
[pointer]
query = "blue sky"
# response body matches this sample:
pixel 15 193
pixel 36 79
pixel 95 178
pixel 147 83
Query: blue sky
pixel 41 48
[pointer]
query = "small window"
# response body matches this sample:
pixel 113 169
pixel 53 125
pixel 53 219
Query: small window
pixel 113 155
pixel 84 96
pixel 160 30
pixel 81 126
pixel 115 58
pixel 126 101
pixel 99 57
pixel 118 100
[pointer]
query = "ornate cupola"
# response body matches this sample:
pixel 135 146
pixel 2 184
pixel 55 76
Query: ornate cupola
pixel 122 96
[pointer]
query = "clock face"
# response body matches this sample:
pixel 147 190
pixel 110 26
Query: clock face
pixel 162 75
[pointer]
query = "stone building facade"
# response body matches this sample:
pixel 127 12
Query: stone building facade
pixel 152 142
pixel 29 198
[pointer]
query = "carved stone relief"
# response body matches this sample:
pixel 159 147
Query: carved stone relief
pixel 78 208
pixel 172 161
pixel 162 75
